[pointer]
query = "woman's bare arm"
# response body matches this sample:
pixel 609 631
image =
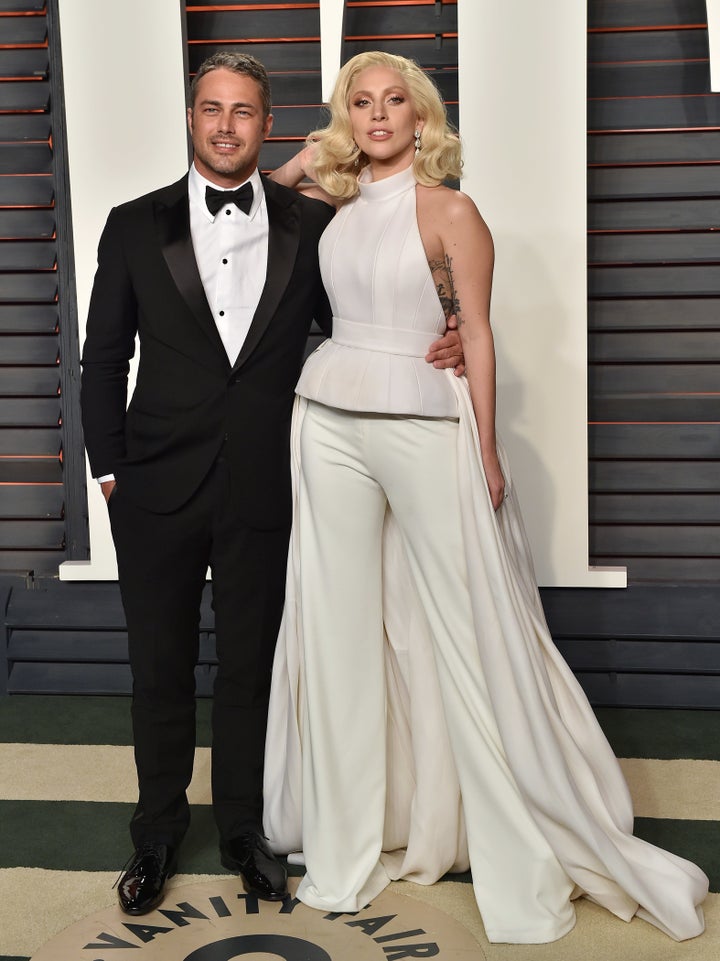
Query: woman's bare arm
pixel 296 172
pixel 461 257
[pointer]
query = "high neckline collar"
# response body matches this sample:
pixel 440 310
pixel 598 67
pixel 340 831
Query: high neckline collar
pixel 387 187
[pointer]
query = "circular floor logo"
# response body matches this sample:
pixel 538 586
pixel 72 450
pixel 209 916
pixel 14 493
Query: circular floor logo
pixel 216 922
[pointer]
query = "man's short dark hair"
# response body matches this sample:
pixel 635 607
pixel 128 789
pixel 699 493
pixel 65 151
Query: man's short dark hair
pixel 241 63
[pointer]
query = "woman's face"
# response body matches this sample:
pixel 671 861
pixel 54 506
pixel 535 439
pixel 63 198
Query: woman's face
pixel 383 119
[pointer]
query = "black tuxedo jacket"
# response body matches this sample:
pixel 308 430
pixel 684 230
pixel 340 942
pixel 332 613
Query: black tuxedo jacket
pixel 189 401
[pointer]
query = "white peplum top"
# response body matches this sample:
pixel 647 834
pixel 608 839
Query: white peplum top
pixel 386 310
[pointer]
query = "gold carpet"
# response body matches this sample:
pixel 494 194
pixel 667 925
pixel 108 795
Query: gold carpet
pixel 597 936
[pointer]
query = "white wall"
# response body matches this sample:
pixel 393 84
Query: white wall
pixel 125 110
pixel 523 122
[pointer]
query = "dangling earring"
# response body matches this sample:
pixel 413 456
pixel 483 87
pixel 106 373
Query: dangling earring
pixel 356 151
pixel 418 144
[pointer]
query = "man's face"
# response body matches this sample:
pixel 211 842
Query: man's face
pixel 227 126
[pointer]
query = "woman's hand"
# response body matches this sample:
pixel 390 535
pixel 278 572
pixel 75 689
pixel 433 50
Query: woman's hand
pixel 297 169
pixel 494 478
pixel 306 157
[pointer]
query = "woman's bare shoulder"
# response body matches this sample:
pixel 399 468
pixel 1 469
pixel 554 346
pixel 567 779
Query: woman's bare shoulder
pixel 448 206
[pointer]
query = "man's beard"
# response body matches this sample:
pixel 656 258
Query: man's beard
pixel 226 166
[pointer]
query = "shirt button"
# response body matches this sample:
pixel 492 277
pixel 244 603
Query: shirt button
pixel 224 260
pixel 228 212
pixel 222 313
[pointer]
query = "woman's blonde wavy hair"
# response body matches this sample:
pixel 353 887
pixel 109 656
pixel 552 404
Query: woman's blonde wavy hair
pixel 337 159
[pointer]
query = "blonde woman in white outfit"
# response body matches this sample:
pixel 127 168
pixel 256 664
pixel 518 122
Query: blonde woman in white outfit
pixel 421 716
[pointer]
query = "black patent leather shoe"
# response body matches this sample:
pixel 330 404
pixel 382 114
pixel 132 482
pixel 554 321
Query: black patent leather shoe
pixel 142 885
pixel 249 855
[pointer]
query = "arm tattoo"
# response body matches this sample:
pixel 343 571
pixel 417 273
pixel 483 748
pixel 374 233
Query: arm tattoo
pixel 442 274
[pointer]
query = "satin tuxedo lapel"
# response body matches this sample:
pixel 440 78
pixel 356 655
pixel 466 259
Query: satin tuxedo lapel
pixel 283 240
pixel 173 222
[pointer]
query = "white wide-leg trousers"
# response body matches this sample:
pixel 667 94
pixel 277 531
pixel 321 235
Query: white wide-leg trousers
pixel 353 467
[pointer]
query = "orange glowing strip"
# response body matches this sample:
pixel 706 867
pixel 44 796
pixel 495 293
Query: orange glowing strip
pixel 374 36
pixel 404 36
pixel 398 3
pixel 655 96
pixel 237 7
pixel 31 483
pixel 623 164
pixel 654 130
pixel 631 264
pixel 655 230
pixel 650 423
pixel 25 13
pixel 636 63
pixel 259 40
pixel 25 46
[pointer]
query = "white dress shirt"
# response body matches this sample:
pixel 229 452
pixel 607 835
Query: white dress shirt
pixel 231 250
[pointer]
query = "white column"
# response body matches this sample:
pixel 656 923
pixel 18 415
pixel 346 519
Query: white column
pixel 713 18
pixel 523 122
pixel 124 80
pixel 331 38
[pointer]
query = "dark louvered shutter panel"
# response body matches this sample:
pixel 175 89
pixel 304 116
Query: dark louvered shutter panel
pixel 285 37
pixel 425 31
pixel 654 286
pixel 33 530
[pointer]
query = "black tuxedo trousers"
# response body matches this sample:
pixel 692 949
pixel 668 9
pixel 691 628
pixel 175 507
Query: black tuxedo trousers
pixel 162 565
pixel 201 460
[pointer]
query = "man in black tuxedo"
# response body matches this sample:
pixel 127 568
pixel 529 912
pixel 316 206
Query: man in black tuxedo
pixel 221 289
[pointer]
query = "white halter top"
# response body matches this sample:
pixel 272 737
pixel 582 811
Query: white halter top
pixel 386 310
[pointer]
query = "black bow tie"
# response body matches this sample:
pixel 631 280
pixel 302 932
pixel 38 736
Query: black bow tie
pixel 216 199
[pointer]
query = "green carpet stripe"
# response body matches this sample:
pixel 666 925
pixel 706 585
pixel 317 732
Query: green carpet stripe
pixel 694 840
pixel 640 732
pixel 92 836
pixel 55 719
pixel 50 719
pixel 87 836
